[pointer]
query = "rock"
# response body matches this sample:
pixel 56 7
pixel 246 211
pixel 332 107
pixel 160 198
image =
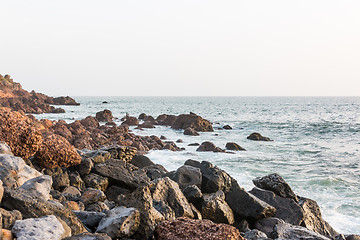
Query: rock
pixel 142 116
pixel 141 161
pixel 227 127
pixel 92 195
pixel 71 193
pixel 193 163
pixel 90 122
pixel 131 121
pixel 31 207
pixel 14 172
pixel 187 175
pixel 213 178
pixel 6 234
pixel 247 205
pixel 56 151
pixel 287 209
pixel 353 237
pixel 146 124
pixel 196 212
pixel 9 217
pixel 266 225
pixel 216 209
pixel 104 116
pixel 254 235
pixel 96 181
pixel 1 192
pixel 190 132
pixel 184 228
pixel 60 180
pixel 193 144
pixel 275 183
pixel 179 141
pixel 234 146
pixel 258 137
pixel 97 207
pixel 89 236
pixel 157 201
pixel 38 187
pixel 76 181
pixel 313 219
pixel 85 166
pixel 162 137
pixel 43 228
pixel 196 122
pixel 65 101
pixel 208 147
pixel 72 205
pixel 90 219
pixel 120 222
pixel 165 119
pixel 5 149
pixel 113 192
pixel 155 171
pixel 122 173
pixel 284 230
pixel 194 195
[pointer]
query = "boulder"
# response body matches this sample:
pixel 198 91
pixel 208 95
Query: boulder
pixel 266 225
pixel 85 166
pixel 43 228
pixel 92 195
pixel 166 120
pixel 141 161
pixel 39 187
pixel 255 235
pixel 96 181
pixel 196 122
pixel 76 180
pixel 194 195
pixel 131 121
pixel 120 222
pixel 89 236
pixel 104 116
pixel 227 127
pixel 258 137
pixel 208 147
pixel 5 149
pixel 14 172
pixel 275 183
pixel 89 219
pixel 65 101
pixel 234 146
pixel 90 122
pixel 213 178
pixel 9 217
pixel 155 171
pixel 190 132
pixel 187 176
pixel 142 116
pixel 184 228
pixel 60 179
pixel 215 208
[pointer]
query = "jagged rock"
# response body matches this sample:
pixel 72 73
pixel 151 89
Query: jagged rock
pixel 266 225
pixel 5 149
pixel 31 207
pixel 275 183
pixel 122 173
pixel 14 172
pixel 313 219
pixel 113 192
pixel 258 137
pixel 194 195
pixel 184 228
pixel 187 175
pixel 141 161
pixel 76 180
pixel 92 195
pixel 38 187
pixel 234 146
pixel 100 156
pixel 90 219
pixel 104 116
pixel 196 212
pixel 196 122
pixel 57 151
pixel 287 209
pixel 208 147
pixel 216 209
pixel 96 181
pixel 120 222
pixel 97 207
pixel 85 166
pixel 60 179
pixel 65 101
pixel 227 127
pixel 284 230
pixel 9 217
pixel 155 171
pixel 89 236
pixel 90 122
pixel 255 235
pixel 157 201
pixel 131 121
pixel 190 132
pixel 43 228
pixel 213 178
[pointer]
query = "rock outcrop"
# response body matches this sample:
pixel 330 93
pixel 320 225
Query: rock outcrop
pixel 258 137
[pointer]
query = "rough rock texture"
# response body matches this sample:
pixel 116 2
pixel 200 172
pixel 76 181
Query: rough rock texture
pixel 141 161
pixel 89 236
pixel 190 132
pixel 208 147
pixel 215 208
pixel 187 176
pixel 184 228
pixel 20 133
pixel 194 195
pixel 266 225
pixel 284 230
pixel 96 181
pixel 9 217
pixel 258 137
pixel 104 116
pixel 157 201
pixel 91 196
pixel 120 222
pixel 56 151
pixel 213 178
pixel 234 146
pixel 275 183
pixel 65 101
pixel 90 219
pixel 43 228
pixel 39 187
pixel 14 172
pixel 193 121
pixel 131 121
pixel 5 149
pixel 255 235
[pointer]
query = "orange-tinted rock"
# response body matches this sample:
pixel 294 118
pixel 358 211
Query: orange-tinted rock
pixel 185 228
pixel 104 116
pixel 56 151
pixel 193 121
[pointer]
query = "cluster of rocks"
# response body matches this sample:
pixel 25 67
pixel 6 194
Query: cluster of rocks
pixel 13 96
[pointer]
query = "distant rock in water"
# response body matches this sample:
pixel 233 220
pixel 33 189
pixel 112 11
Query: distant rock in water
pixel 65 101
pixel 104 102
pixel 227 127
pixel 258 137
pixel 234 146
pixel 193 121
pixel 190 132
pixel 104 116
pixel 209 147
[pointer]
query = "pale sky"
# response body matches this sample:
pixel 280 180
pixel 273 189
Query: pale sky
pixel 182 48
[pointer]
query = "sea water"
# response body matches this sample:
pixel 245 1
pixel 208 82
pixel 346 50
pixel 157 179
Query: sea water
pixel 316 146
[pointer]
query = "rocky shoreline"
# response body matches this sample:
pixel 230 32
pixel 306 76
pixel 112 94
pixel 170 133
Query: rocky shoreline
pixel 90 179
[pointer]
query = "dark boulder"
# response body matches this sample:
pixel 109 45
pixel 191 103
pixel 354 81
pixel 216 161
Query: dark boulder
pixel 196 122
pixel 208 147
pixel 187 176
pixel 234 146
pixel 193 195
pixel 227 127
pixel 215 208
pixel 258 137
pixel 141 161
pixel 142 116
pixel 190 132
pixel 213 178
pixel 130 121
pixel 65 101
pixel 96 181
pixel 104 116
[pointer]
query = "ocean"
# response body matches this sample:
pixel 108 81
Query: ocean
pixel 316 146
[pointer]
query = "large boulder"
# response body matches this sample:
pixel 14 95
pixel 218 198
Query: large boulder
pixel 90 219
pixel 187 176
pixel 131 121
pixel 190 132
pixel 65 101
pixel 141 161
pixel 213 178
pixel 43 228
pixel 39 187
pixel 216 209
pixel 104 116
pixel 208 147
pixel 193 121
pixel 184 228
pixel 90 122
pixel 258 137
pixel 120 222
pixel 234 146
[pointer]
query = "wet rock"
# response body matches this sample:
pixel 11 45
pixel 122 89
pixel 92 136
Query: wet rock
pixel 184 228
pixel 215 208
pixel 9 218
pixel 96 181
pixel 234 146
pixel 187 175
pixel 196 122
pixel 255 235
pixel 286 208
pixel 258 137
pixel 39 187
pixel 227 127
pixel 14 172
pixel 104 116
pixel 89 236
pixel 193 144
pixel 141 161
pixel 5 149
pixel 90 219
pixel 208 147
pixel 171 146
pixel 275 183
pixel 190 132
pixel 92 195
pixel 43 228
pixel 120 222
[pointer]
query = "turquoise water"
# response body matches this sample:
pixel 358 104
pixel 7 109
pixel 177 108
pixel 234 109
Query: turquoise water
pixel 316 145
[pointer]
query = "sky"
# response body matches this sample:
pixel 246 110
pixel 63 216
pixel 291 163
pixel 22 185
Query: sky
pixel 182 48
